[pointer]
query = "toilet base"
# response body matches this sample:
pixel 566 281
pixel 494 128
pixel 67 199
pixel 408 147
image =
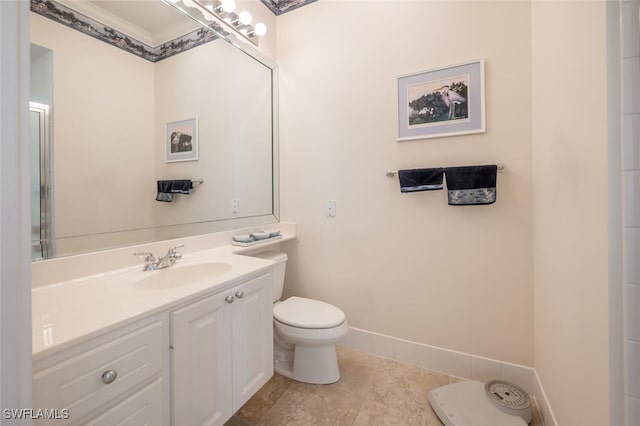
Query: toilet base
pixel 307 355
pixel 315 364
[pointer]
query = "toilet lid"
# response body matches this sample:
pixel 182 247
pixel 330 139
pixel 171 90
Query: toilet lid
pixel 308 313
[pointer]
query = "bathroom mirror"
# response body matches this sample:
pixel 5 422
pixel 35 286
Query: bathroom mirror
pixel 111 92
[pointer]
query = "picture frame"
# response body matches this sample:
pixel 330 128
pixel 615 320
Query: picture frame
pixel 181 140
pixel 446 101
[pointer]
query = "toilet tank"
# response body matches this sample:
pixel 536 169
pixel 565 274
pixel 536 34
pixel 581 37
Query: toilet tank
pixel 278 270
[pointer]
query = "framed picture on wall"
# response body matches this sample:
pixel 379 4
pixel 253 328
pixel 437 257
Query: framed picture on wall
pixel 181 140
pixel 441 102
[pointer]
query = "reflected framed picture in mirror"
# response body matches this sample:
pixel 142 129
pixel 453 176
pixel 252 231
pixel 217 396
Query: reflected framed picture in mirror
pixel 181 140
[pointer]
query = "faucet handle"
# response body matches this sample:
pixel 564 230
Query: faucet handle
pixel 149 260
pixel 148 256
pixel 174 254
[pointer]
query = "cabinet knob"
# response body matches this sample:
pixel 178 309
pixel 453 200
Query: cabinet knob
pixel 109 376
pixel 229 299
pixel 239 294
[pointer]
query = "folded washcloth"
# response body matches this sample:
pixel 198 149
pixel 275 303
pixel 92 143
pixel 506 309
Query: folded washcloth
pixel 420 179
pixel 471 185
pixel 166 189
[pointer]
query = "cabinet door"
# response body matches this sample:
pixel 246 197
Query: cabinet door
pixel 201 363
pixel 252 337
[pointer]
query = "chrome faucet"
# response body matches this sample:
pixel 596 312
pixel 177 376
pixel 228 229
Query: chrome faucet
pixel 170 258
pixel 152 263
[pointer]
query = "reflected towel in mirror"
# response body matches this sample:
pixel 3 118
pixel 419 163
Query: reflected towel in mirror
pixel 166 189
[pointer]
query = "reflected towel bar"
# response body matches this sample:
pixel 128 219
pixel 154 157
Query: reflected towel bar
pixel 392 173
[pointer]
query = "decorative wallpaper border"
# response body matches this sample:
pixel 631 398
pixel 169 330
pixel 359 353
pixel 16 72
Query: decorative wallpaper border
pixel 72 19
pixel 278 7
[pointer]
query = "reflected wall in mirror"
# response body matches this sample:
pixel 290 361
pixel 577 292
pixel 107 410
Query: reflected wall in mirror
pixel 109 109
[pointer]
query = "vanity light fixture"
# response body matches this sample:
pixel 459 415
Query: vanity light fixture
pixel 222 13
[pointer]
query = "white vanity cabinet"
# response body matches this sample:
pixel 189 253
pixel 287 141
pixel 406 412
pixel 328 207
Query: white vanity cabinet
pixel 222 352
pixel 120 377
pixel 182 359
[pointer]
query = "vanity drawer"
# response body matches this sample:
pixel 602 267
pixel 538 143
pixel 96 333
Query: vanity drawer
pixel 81 382
pixel 142 408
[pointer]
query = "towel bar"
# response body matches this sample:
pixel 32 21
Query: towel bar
pixel 392 173
pixel 198 181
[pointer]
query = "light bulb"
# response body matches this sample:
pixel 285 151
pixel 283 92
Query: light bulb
pixel 244 17
pixel 228 5
pixel 260 29
pixel 208 16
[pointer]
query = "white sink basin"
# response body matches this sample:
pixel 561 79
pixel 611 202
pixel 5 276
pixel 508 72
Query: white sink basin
pixel 181 275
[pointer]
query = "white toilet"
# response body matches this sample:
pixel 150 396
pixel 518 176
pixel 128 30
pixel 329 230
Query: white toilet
pixel 305 332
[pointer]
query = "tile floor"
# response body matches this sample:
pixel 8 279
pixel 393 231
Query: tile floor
pixel 372 391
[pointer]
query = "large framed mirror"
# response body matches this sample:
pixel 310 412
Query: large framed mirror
pixel 112 75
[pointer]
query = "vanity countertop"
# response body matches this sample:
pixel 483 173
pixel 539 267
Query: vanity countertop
pixel 66 312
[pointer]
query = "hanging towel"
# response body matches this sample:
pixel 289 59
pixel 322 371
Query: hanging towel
pixel 414 180
pixel 471 185
pixel 166 189
pixel 180 186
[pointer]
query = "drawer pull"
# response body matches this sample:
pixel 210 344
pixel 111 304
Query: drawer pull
pixel 109 376
pixel 229 299
pixel 239 294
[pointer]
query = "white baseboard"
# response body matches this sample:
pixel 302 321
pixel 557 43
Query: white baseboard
pixel 450 362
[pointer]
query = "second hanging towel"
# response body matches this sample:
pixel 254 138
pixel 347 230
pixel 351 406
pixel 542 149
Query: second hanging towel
pixel 471 185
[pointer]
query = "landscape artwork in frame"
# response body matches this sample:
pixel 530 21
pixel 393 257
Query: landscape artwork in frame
pixel 441 102
pixel 181 140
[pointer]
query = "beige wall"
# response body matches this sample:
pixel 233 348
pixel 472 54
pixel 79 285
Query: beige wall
pixel 407 265
pixel 570 208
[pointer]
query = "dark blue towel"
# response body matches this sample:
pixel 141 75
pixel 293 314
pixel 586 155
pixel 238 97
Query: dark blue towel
pixel 471 185
pixel 414 180
pixel 180 186
pixel 166 189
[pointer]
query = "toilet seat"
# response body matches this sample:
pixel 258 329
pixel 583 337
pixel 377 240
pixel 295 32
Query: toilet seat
pixel 306 313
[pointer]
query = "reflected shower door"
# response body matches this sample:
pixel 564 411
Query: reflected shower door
pixel 41 203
